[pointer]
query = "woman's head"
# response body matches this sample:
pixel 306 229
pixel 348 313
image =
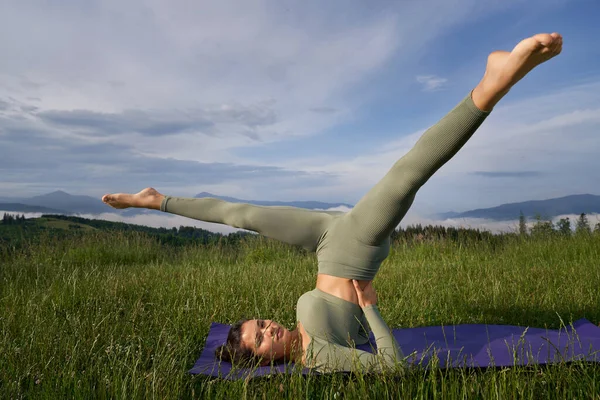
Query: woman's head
pixel 256 340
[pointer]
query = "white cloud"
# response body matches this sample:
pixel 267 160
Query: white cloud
pixel 431 82
pixel 152 220
pixel 190 55
pixel 342 209
pixel 511 226
pixel 112 56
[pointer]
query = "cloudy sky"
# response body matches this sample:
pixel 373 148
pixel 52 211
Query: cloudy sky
pixel 290 100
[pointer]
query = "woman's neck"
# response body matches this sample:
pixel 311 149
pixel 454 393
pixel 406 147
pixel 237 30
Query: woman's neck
pixel 296 351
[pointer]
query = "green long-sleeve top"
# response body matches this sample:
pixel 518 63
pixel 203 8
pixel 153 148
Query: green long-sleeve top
pixel 335 326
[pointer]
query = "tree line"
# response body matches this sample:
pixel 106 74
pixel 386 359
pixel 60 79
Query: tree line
pixel 544 227
pixel 10 219
pixel 172 236
pixel 16 232
pixel 189 235
pixel 419 232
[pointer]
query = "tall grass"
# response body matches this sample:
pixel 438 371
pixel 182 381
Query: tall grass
pixel 120 316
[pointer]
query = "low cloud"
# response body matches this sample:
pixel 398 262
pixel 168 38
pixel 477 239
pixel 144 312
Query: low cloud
pixel 157 220
pixel 511 226
pixel 154 220
pixel 342 209
pixel 508 174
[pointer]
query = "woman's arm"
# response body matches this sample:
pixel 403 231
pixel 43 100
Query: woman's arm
pixel 334 357
pixel 387 348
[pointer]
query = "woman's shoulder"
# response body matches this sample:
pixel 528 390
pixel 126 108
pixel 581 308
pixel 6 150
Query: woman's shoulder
pixel 307 301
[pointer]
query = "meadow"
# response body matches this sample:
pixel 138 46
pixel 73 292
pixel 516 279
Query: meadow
pixel 120 315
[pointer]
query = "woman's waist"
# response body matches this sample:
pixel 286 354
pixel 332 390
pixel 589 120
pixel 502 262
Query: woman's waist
pixel 361 271
pixel 351 260
pixel 340 287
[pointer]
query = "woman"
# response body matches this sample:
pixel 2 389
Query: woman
pixel 350 247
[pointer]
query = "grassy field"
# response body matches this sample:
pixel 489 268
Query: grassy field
pixel 121 316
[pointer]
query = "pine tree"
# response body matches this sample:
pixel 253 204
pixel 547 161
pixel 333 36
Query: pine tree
pixel 8 219
pixel 583 225
pixel 542 227
pixel 522 225
pixel 564 226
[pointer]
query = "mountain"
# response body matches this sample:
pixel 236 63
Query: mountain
pixel 312 205
pixel 574 204
pixel 68 202
pixel 27 208
pixel 60 202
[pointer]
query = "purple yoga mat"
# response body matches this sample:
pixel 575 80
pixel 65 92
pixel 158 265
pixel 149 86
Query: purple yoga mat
pixel 469 345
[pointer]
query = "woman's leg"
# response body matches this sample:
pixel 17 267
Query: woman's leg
pixel 291 225
pixel 379 212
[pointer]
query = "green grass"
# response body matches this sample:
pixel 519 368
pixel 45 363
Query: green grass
pixel 49 223
pixel 61 224
pixel 121 316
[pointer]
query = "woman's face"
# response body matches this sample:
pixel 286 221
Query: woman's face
pixel 266 338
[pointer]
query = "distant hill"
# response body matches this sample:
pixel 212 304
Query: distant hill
pixel 312 205
pixel 64 203
pixel 17 232
pixel 70 203
pixel 27 208
pixel 574 204
pixel 59 223
pixel 60 202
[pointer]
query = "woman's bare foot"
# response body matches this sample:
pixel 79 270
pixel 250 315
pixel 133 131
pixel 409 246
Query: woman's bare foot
pixel 504 68
pixel 147 198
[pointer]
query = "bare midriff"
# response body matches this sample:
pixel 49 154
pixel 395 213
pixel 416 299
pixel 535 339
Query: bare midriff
pixel 339 287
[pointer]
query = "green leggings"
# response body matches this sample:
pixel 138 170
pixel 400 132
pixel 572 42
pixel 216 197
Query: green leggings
pixel 349 245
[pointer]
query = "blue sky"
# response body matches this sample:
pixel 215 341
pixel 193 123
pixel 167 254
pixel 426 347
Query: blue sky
pixel 290 100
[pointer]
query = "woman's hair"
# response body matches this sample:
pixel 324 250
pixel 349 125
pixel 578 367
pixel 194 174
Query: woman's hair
pixel 233 350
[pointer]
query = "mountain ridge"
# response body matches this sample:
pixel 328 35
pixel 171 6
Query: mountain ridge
pixel 310 204
pixel 571 204
pixel 65 203
pixel 62 202
pixel 27 208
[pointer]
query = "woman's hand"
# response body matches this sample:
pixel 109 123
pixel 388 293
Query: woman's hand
pixel 366 296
